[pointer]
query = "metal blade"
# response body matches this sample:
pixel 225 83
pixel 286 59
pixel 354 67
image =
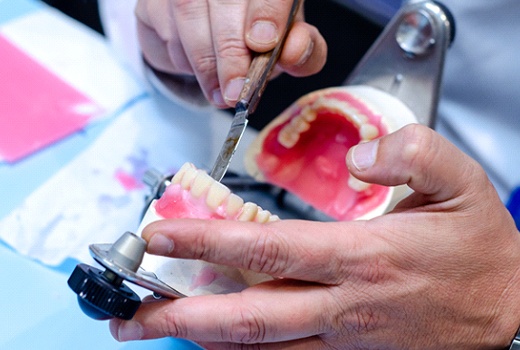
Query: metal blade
pixel 254 85
pixel 230 145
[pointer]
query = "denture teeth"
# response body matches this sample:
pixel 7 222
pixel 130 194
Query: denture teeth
pixel 217 194
pixel 368 132
pixel 249 211
pixel 308 114
pixel 234 204
pixel 273 218
pixel 299 124
pixel 343 108
pixel 288 138
pixel 290 133
pixel 201 183
pixel 188 177
pixel 357 185
pixel 262 216
pixel 357 118
pixel 179 174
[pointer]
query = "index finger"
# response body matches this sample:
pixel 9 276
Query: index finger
pixel 304 250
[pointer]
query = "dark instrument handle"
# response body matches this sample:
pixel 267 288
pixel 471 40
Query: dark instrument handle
pixel 262 67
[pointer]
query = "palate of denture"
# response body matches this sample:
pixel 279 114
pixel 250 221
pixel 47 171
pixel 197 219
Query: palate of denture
pixel 303 150
pixel 194 194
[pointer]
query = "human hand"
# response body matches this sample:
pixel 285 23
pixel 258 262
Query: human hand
pixel 438 272
pixel 213 40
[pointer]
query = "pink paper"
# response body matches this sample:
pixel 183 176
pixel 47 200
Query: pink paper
pixel 37 108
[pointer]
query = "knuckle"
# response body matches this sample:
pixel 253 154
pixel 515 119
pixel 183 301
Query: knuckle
pixel 189 9
pixel 268 254
pixel 367 320
pixel 421 148
pixel 362 319
pixel 418 139
pixel 230 46
pixel 204 62
pixel 248 327
pixel 201 244
pixel 173 325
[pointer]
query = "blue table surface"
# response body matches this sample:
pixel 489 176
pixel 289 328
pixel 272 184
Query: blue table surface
pixel 39 311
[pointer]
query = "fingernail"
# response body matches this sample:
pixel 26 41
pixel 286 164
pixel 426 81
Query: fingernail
pixel 130 330
pixel 218 99
pixel 306 54
pixel 263 32
pixel 364 155
pixel 160 245
pixel 233 89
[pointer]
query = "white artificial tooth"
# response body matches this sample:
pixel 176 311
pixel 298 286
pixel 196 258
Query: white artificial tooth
pixel 249 211
pixel 262 216
pixel 300 125
pixel 179 174
pixel 273 218
pixel 368 132
pixel 177 177
pixel 288 138
pixel 217 194
pixel 188 177
pixel 357 118
pixel 356 184
pixel 344 109
pixel 234 204
pixel 201 183
pixel 308 114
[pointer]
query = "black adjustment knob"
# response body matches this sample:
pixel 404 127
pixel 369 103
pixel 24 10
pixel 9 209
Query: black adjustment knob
pixel 102 295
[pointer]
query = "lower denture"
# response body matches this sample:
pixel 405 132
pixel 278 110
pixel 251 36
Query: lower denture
pixel 194 194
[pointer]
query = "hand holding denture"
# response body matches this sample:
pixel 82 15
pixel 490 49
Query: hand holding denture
pixel 423 276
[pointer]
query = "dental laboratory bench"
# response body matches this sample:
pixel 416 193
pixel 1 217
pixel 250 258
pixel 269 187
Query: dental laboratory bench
pixel 76 178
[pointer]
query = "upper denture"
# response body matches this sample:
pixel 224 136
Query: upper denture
pixel 303 150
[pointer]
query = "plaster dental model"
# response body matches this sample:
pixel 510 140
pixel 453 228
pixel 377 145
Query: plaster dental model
pixel 303 150
pixel 194 194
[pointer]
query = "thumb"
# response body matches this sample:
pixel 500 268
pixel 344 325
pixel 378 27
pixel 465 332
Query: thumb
pixel 419 157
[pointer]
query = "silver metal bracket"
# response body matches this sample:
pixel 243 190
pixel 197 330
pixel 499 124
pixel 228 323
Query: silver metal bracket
pixel 123 258
pixel 407 59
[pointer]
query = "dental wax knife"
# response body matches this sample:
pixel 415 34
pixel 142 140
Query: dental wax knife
pixel 254 85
